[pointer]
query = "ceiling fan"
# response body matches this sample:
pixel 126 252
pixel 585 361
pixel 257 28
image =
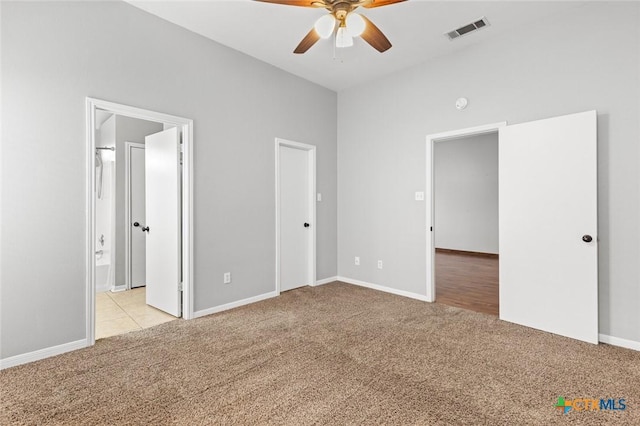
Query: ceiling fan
pixel 343 21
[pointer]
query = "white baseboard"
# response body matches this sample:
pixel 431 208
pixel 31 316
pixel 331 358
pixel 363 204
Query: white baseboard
pixel 118 288
pixel 326 280
pixel 385 289
pixel 617 341
pixel 42 353
pixel 227 306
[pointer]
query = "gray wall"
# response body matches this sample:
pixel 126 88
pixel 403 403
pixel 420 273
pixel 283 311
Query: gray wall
pixel 466 193
pixel 50 62
pixel 587 59
pixel 127 130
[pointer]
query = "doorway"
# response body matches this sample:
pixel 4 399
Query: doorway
pixel 460 256
pixel 547 222
pixel 295 215
pixel 119 139
pixel 465 171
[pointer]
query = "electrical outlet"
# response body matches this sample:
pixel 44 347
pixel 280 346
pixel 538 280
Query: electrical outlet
pixel 357 261
pixel 319 197
pixel 379 264
pixel 227 278
pixel 419 196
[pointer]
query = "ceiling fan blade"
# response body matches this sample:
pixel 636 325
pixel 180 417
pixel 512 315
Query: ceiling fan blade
pixel 380 3
pixel 301 3
pixel 375 37
pixel 308 41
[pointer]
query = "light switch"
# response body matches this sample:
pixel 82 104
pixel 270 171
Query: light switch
pixel 419 196
pixel 319 197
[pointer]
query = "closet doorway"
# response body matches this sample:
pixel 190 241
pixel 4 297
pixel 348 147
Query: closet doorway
pixel 547 222
pixel 466 222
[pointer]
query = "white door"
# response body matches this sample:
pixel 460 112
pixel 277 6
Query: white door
pixel 162 182
pixel 137 214
pixel 295 226
pixel 548 225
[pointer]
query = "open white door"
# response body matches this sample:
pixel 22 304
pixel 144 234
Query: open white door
pixel 548 225
pixel 162 189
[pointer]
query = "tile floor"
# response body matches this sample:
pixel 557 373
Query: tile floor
pixel 125 311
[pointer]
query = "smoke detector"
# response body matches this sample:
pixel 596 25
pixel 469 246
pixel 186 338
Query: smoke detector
pixel 469 28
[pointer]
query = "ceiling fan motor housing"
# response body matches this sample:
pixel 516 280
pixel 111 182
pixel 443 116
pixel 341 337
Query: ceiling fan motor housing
pixel 341 9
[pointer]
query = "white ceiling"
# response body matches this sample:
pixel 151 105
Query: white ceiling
pixel 270 32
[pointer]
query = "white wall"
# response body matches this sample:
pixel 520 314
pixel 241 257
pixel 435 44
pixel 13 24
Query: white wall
pixel 466 193
pixel 583 60
pixel 127 130
pixel 50 63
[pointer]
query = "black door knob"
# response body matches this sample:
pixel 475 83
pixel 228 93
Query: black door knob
pixel 587 238
pixel 306 225
pixel 145 229
pixel 136 224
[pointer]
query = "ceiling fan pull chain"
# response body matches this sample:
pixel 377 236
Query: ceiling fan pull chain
pixel 337 53
pixel 335 38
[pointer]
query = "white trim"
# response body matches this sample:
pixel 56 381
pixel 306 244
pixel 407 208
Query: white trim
pixel 378 287
pixel 311 149
pixel 326 280
pixel 42 353
pixel 90 220
pixel 617 341
pixel 187 221
pixel 227 306
pixel 430 240
pixel 127 209
pixel 118 288
pixel 187 202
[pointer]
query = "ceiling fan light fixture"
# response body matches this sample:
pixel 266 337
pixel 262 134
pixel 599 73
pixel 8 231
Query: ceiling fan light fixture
pixel 325 26
pixel 355 24
pixel 343 38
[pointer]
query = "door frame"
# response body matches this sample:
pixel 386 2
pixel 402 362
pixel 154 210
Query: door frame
pixel 127 208
pixel 429 198
pixel 311 158
pixel 186 125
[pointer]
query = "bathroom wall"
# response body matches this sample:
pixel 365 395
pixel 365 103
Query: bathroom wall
pixel 105 206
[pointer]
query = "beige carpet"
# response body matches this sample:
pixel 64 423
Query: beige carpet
pixel 336 354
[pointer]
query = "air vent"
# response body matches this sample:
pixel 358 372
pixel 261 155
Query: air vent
pixel 469 28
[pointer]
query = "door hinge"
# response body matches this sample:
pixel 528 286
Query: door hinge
pixel 181 158
pixel 179 286
pixel 431 229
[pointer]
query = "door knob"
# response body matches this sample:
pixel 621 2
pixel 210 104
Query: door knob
pixel 145 229
pixel 306 225
pixel 587 238
pixel 136 224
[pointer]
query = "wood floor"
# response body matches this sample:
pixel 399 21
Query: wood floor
pixel 468 281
